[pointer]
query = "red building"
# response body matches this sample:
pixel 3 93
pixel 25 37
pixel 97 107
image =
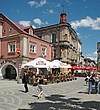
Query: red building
pixel 18 45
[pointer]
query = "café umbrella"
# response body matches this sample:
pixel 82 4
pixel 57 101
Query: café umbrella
pixel 55 64
pixel 77 67
pixel 89 68
pixel 37 63
pixel 58 64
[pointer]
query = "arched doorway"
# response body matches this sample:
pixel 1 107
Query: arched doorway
pixel 9 71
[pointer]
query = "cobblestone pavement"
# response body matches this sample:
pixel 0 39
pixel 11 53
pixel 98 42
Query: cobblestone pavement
pixel 62 96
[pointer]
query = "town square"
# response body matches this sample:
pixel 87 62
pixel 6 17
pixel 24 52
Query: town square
pixel 49 55
pixel 70 95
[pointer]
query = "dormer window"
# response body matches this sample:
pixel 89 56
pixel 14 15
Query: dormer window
pixel 31 31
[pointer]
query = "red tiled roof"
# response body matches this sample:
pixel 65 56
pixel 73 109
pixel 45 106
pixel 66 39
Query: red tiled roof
pixel 22 28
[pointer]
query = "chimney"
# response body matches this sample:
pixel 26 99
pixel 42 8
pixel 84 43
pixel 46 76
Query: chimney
pixel 63 18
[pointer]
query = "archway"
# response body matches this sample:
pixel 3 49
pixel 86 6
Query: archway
pixel 9 71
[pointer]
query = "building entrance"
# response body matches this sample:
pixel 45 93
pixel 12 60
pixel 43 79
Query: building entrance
pixel 9 71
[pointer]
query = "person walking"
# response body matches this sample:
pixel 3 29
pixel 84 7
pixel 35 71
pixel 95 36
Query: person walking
pixel 25 80
pixel 90 82
pixel 40 89
pixel 97 83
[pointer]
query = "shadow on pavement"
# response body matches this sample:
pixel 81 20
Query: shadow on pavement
pixel 59 102
pixel 22 91
pixel 34 96
pixel 93 91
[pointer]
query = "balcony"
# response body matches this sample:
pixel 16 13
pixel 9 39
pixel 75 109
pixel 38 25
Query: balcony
pixel 64 44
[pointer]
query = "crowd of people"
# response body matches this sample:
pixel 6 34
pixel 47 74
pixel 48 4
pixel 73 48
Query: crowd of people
pixel 92 79
pixel 41 79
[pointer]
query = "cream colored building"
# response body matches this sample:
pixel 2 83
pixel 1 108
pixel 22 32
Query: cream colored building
pixel 64 40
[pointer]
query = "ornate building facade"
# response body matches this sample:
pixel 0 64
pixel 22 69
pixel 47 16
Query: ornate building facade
pixel 66 43
pixel 18 45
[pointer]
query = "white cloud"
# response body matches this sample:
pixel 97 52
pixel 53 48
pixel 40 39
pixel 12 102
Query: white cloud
pixel 37 4
pixel 25 23
pixel 50 11
pixel 39 22
pixel 89 55
pixel 32 3
pixel 78 34
pixel 95 53
pixel 93 56
pixel 87 22
pixel 34 26
pixel 46 22
pixel 58 5
pixel 42 2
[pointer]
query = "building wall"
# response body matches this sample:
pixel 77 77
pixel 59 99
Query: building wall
pixel 0 29
pixel 4 46
pixel 78 53
pixel 8 28
pixel 39 44
pixel 68 46
pixel 0 49
pixel 10 33
pixel 23 45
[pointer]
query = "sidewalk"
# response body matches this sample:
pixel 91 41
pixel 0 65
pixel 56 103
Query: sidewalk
pixel 62 96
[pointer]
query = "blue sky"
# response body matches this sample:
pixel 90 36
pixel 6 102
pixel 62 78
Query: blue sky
pixel 83 15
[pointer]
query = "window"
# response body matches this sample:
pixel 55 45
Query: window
pixel 68 53
pixel 32 47
pixel 30 31
pixel 4 31
pixel 10 29
pixel 54 38
pixel 65 37
pixel 55 53
pixel 64 53
pixel 43 51
pixel 11 47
